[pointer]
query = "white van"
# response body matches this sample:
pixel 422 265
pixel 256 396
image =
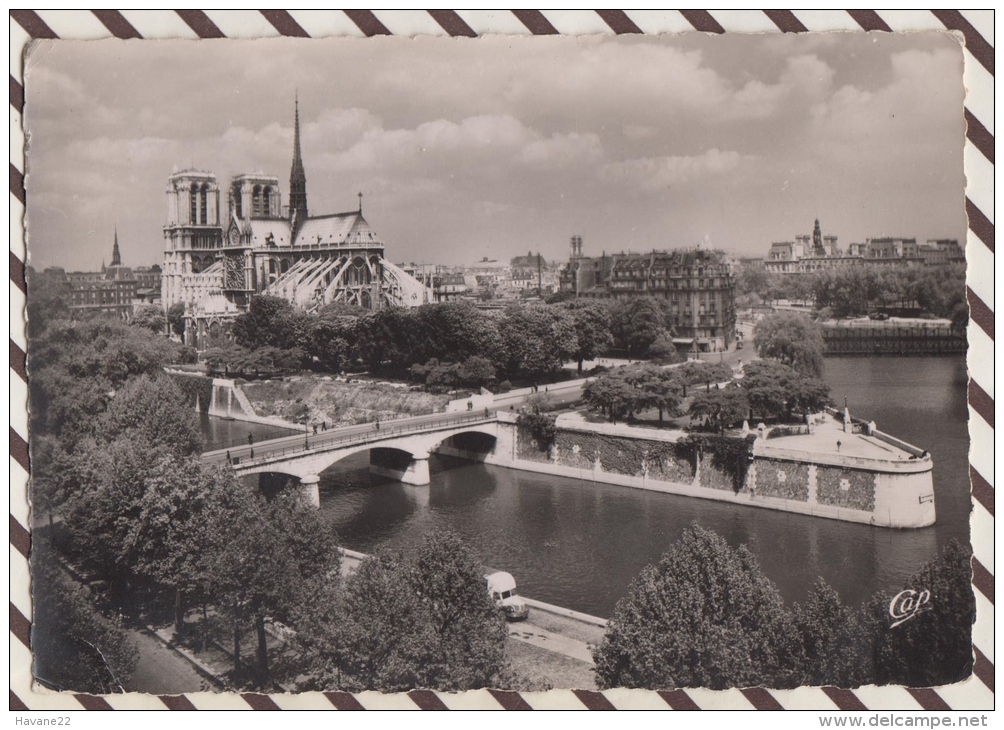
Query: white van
pixel 502 587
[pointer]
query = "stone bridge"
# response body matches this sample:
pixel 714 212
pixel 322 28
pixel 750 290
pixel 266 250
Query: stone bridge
pixel 398 449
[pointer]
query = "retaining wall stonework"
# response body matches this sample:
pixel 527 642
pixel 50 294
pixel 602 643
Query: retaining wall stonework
pixel 892 493
pixel 849 488
pixel 631 457
pixel 782 479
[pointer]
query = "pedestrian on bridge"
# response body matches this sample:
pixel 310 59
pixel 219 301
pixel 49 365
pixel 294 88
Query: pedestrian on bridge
pixel 486 412
pixel 377 424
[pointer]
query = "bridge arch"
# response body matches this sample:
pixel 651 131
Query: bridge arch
pixel 403 456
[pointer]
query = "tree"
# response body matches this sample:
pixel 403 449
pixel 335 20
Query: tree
pixel 663 350
pixel 638 322
pixel 704 616
pixel 615 394
pixel 721 408
pixel 476 371
pixel 48 299
pixel 537 339
pixel 263 559
pixel 176 318
pixel 388 338
pixel 272 322
pixel 454 332
pixel 403 624
pixel 935 646
pixel 792 339
pixel 151 317
pixel 593 336
pixel 752 281
pixel 74 647
pixel 662 387
pixel 774 390
pixel 152 409
pixel 701 373
pixel 229 357
pixel 470 632
pixel 835 647
pixel 332 335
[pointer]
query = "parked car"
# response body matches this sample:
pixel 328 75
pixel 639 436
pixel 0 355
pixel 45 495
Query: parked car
pixel 502 587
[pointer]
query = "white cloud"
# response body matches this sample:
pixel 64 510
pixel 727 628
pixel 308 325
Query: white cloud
pixel 656 173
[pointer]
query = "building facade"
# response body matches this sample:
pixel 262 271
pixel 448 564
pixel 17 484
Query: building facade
pixel 805 255
pixel 114 290
pixel 222 250
pixel 699 285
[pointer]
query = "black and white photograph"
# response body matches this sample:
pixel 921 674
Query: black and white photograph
pixel 519 363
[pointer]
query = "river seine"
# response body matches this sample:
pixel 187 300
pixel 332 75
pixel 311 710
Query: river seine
pixel 579 545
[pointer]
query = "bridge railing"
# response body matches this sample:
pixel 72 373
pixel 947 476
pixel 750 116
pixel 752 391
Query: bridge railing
pixel 329 442
pixel 276 433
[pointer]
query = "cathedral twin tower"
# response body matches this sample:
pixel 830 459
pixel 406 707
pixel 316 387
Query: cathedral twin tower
pixel 216 260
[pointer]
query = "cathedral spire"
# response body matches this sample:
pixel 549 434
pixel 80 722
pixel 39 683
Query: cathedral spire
pixel 297 177
pixel 116 257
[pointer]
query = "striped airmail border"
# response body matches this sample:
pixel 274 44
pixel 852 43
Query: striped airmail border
pixel 977 29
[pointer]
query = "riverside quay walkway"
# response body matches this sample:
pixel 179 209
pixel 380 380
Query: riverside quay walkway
pixel 398 449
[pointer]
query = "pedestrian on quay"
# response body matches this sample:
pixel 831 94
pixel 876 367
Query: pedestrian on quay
pixel 315 429
pixel 252 453
pixel 838 446
pixel 250 439
pixel 229 460
pixel 324 425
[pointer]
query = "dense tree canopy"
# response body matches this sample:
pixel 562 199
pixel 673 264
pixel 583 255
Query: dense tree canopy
pixel 720 408
pixel 593 336
pixel 74 647
pixel 48 299
pixel 637 323
pixel 704 616
pixel 176 318
pixel 792 339
pixel 624 391
pixel 425 622
pixel 776 390
pixel 150 316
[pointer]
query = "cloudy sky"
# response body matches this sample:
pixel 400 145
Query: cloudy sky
pixel 467 148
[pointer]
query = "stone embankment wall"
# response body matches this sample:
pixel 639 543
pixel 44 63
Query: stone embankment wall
pixel 890 493
pixel 223 398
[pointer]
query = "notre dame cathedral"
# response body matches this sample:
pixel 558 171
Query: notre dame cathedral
pixel 217 259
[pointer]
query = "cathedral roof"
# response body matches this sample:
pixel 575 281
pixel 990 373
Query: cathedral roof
pixel 263 228
pixel 340 228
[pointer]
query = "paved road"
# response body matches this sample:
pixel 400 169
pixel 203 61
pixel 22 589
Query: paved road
pixel 160 671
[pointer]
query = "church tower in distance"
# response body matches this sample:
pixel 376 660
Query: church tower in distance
pixel 116 256
pixel 297 179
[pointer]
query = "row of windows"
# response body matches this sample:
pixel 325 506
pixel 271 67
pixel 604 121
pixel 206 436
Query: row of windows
pixel 657 283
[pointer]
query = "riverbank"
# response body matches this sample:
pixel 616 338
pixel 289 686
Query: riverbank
pixel 851 473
